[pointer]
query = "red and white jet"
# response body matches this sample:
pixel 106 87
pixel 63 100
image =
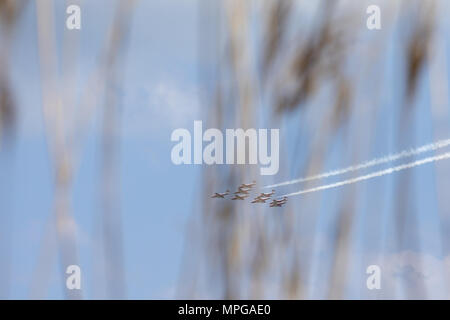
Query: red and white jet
pixel 242 191
pixel 260 200
pixel 220 195
pixel 278 203
pixel 249 186
pixel 266 195
pixel 238 197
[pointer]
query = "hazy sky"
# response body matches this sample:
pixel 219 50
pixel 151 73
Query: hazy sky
pixel 161 93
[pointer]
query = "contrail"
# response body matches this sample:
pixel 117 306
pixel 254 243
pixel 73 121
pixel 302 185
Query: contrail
pixel 404 154
pixel 373 175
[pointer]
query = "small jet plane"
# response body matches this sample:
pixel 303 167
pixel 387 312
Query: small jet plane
pixel 250 185
pixel 260 200
pixel 242 191
pixel 220 195
pixel 278 202
pixel 266 195
pixel 274 203
pixel 238 197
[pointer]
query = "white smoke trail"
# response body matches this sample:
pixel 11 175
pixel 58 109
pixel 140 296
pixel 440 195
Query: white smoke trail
pixel 373 175
pixel 404 154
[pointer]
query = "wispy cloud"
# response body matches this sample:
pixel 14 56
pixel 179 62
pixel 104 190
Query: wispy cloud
pixel 173 103
pixel 415 271
pixel 165 105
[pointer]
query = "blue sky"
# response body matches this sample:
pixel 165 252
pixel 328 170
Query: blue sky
pixel 156 195
pixel 161 93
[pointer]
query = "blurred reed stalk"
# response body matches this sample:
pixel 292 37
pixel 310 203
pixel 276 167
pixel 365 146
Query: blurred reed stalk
pixel 416 49
pixel 55 122
pixel 111 218
pixel 9 15
pixel 439 89
pixel 66 125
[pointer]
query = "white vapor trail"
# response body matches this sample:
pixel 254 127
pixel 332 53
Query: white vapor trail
pixel 373 175
pixel 404 154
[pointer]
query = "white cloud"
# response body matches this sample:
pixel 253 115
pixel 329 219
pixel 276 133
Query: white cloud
pixel 420 274
pixel 173 104
pixel 165 105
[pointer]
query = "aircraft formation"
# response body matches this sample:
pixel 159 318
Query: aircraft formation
pixel 243 192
